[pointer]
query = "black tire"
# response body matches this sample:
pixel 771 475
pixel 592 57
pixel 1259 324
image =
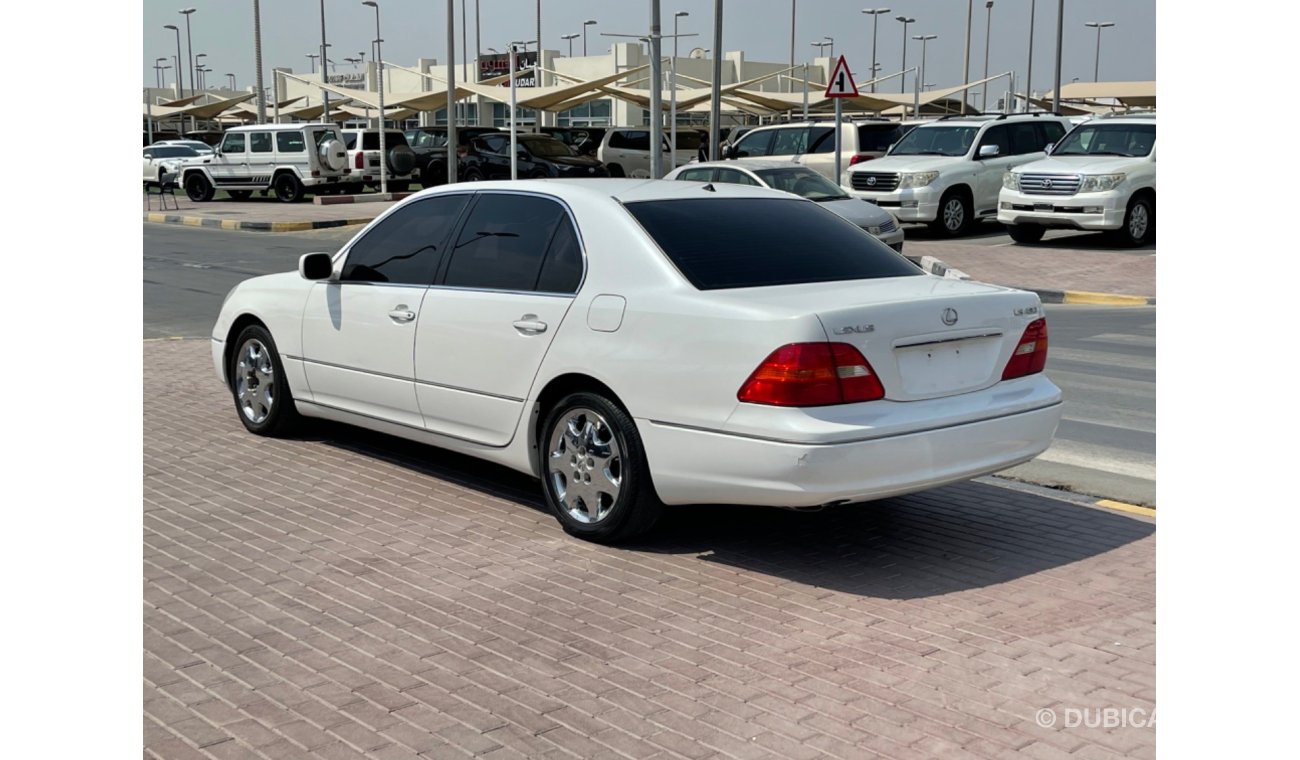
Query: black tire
pixel 954 217
pixel 355 188
pixel 616 171
pixel 433 174
pixel 288 188
pixel 635 508
pixel 473 175
pixel 538 174
pixel 1139 223
pixel 240 195
pixel 198 188
pixel 247 373
pixel 1026 233
pixel 399 186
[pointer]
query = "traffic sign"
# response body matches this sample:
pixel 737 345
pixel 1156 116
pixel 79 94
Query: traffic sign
pixel 841 84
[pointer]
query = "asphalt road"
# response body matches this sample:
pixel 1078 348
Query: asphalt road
pixel 1102 358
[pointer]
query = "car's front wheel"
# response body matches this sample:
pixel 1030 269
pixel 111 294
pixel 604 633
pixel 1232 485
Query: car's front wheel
pixel 594 470
pixel 1139 223
pixel 954 214
pixel 1026 233
pixel 257 382
pixel 198 188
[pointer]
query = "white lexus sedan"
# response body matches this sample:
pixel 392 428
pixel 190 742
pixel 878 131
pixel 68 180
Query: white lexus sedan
pixel 635 343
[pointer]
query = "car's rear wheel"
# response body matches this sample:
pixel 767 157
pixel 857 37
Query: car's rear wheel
pixel 1139 223
pixel 198 188
pixel 240 195
pixel 473 175
pixel 288 188
pixel 954 214
pixel 616 171
pixel 1026 233
pixel 257 382
pixel 594 471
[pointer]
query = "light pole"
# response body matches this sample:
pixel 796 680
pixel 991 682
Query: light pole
pixel 1060 35
pixel 570 37
pixel 902 81
pixel 1029 73
pixel 180 73
pixel 232 82
pixel 792 9
pixel 189 46
pixel 924 38
pixel 875 24
pixel 514 127
pixel 312 57
pixel 198 66
pixel 965 57
pixel 586 24
pixel 158 69
pixel 822 44
pixel 453 144
pixel 988 28
pixel 1098 25
pixel 324 67
pixel 672 95
pixel 383 126
pixel 257 55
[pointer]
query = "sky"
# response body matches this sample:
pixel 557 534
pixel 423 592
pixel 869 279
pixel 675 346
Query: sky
pixel 223 29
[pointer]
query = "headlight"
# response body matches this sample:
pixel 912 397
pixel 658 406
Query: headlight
pixel 1096 183
pixel 916 179
pixel 1011 181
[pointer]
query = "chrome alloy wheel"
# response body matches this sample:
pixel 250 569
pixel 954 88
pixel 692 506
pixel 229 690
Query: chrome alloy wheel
pixel 1138 219
pixel 255 381
pixel 954 214
pixel 585 465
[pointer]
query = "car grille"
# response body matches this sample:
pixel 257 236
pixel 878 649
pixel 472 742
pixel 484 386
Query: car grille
pixel 878 182
pixel 1049 184
pixel 889 226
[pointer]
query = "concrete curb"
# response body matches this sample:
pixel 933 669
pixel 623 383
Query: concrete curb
pixel 1046 295
pixel 235 224
pixel 331 200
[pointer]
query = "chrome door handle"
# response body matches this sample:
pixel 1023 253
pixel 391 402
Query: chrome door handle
pixel 401 314
pixel 529 324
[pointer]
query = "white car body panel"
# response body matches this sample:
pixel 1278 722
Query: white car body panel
pixel 675 357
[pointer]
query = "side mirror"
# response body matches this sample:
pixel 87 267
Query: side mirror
pixel 989 151
pixel 523 156
pixel 316 266
pixel 1049 147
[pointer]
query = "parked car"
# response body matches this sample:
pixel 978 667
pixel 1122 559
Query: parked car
pixel 291 159
pixel 585 140
pixel 166 159
pixel 799 180
pixel 430 146
pixel 948 173
pixel 641 343
pixel 195 145
pixel 625 151
pixel 540 156
pixel 1100 176
pixel 363 159
pixel 812 143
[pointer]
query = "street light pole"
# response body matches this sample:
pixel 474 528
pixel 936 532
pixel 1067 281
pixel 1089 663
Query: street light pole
pixel 257 55
pixel 988 28
pixel 586 24
pixel 180 73
pixel 792 9
pixel 453 144
pixel 672 95
pixel 1099 25
pixel 902 81
pixel 1029 73
pixel 924 38
pixel 189 46
pixel 656 95
pixel 570 37
pixel 324 67
pixel 383 127
pixel 965 56
pixel 233 87
pixel 875 24
pixel 1060 34
pixel 715 96
pixel 157 70
pixel 202 81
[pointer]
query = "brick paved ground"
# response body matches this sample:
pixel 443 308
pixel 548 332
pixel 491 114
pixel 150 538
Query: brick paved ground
pixel 348 594
pixel 1052 267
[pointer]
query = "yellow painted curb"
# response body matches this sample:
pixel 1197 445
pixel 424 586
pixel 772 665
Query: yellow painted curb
pixel 192 221
pixel 1102 299
pixel 1123 507
pixel 290 226
pixel 157 218
pixel 230 224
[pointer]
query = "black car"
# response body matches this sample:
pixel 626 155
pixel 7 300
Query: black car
pixel 430 146
pixel 539 156
pixel 584 140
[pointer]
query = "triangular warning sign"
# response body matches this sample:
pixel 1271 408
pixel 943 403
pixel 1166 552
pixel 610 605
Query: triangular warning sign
pixel 841 84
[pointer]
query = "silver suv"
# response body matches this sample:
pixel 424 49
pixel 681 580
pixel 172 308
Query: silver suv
pixel 290 159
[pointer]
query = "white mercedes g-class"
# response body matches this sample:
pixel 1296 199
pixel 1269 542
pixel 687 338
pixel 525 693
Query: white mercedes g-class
pixel 291 159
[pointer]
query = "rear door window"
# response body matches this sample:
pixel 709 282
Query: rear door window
pixel 290 142
pixel 562 269
pixel 630 140
pixel 999 136
pixel 260 142
pixel 1052 132
pixel 720 243
pixel 755 144
pixel 504 241
pixel 822 140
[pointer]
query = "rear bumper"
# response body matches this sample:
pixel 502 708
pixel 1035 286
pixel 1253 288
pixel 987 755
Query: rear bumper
pixel 692 466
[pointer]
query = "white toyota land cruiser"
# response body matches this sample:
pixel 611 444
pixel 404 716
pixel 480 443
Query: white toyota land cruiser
pixel 1101 176
pixel 947 173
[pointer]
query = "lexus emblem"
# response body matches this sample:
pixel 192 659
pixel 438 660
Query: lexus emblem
pixel 871 181
pixel 949 317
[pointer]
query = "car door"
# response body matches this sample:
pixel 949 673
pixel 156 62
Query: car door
pixel 495 152
pixel 819 153
pixel 989 171
pixel 754 144
pixel 486 326
pixel 230 165
pixel 358 330
pixel 633 153
pixel 261 158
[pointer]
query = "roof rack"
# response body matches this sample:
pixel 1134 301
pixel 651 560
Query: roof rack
pixel 1034 113
pixel 1128 115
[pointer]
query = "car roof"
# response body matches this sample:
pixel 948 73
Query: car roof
pixel 274 127
pixel 620 190
pixel 752 164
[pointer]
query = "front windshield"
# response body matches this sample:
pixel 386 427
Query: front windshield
pixel 802 182
pixel 547 147
pixel 1108 140
pixel 952 140
pixel 174 151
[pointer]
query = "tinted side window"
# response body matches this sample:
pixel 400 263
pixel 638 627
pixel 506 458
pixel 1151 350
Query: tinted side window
pixel 234 143
pixel 822 140
pixel 290 142
pixel 998 136
pixel 735 177
pixel 503 242
pixel 562 270
pixel 1025 138
pixel 260 142
pixel 755 144
pixel 496 144
pixel 875 138
pixel 407 246
pixel 696 175
pixel 630 140
pixel 790 142
pixel 350 140
pixel 758 242
pixel 1052 132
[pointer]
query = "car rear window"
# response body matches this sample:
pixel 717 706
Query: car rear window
pixel 720 243
pixel 878 137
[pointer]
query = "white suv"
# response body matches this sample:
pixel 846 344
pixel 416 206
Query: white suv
pixel 1101 176
pixel 363 159
pixel 625 151
pixel 291 159
pixel 812 144
pixel 948 173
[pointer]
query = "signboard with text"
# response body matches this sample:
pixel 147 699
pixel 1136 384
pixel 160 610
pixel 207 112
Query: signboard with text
pixel 499 65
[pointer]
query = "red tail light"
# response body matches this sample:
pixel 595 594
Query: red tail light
pixel 361 160
pixel 812 374
pixel 858 158
pixel 1030 355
